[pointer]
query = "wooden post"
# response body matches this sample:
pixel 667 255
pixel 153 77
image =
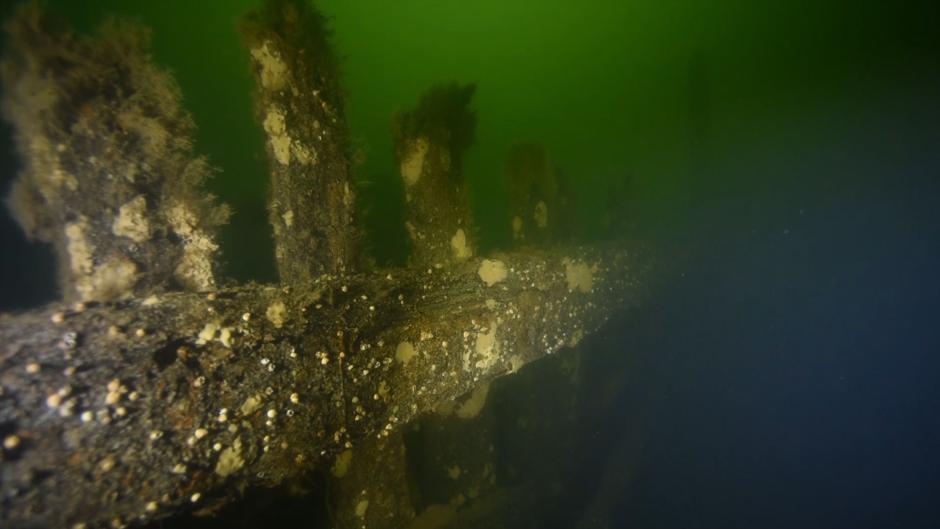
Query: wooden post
pixel 533 194
pixel 109 177
pixel 141 402
pixel 429 143
pixel 299 104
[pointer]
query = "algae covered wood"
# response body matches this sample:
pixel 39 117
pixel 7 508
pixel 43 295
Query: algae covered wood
pixel 430 141
pixel 299 104
pixel 109 177
pixel 135 410
pixel 150 391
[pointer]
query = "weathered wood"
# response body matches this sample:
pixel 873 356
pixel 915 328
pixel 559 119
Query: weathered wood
pixel 109 175
pixel 136 410
pixel 299 103
pixel 430 141
pixel 143 403
pixel 371 488
pixel 533 194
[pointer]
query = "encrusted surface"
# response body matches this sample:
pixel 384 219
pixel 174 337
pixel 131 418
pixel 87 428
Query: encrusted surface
pixel 109 176
pixel 299 104
pixel 116 406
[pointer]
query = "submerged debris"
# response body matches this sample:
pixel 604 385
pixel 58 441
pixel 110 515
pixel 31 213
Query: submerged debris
pixel 150 390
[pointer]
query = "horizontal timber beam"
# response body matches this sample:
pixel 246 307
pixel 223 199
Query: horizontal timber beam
pixel 125 412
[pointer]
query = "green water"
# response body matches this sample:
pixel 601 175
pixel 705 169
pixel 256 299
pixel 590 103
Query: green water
pixel 649 92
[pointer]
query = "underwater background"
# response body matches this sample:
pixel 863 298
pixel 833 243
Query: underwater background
pixel 784 156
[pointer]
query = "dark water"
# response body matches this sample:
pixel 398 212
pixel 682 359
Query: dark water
pixel 793 368
pixel 789 155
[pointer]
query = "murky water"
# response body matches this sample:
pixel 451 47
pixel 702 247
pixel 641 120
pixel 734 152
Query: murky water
pixel 782 160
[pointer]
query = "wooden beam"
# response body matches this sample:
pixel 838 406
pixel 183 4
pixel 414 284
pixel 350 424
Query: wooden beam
pixel 132 411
